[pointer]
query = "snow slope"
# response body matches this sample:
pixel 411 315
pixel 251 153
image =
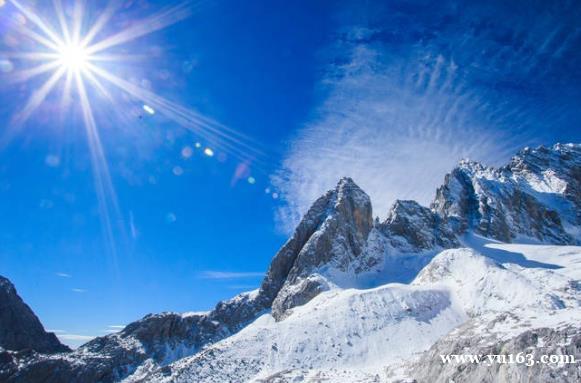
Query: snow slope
pixel 350 298
pixel 347 335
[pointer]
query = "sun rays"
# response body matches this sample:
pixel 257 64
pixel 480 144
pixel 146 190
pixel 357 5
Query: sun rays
pixel 71 50
pixel 69 57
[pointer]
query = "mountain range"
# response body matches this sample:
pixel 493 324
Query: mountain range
pixel 492 266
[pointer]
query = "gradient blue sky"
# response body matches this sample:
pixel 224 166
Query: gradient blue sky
pixel 392 93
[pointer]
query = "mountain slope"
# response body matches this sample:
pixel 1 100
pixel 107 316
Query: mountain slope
pixel 348 334
pixel 329 307
pixel 20 329
pixel 331 236
pixel 536 196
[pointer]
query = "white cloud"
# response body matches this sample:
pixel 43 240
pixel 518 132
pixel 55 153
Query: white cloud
pixel 242 287
pixel 80 291
pixel 63 275
pixel 74 340
pixel 75 337
pixel 396 123
pixel 113 328
pixel 229 275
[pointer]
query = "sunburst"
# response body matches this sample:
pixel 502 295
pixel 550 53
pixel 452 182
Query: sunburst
pixel 70 57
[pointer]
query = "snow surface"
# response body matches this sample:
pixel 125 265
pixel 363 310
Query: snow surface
pixel 366 335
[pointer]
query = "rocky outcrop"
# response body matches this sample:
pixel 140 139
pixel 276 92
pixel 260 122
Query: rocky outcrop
pixel 409 223
pixel 20 329
pixel 470 339
pixel 159 338
pixel 344 220
pixel 550 172
pixel 333 232
pixel 535 196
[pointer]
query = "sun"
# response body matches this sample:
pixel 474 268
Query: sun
pixel 74 57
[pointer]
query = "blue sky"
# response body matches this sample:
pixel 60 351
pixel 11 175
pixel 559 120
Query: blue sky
pixel 391 93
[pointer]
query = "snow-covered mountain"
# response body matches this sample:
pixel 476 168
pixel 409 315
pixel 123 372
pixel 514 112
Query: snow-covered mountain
pixel 536 196
pixel 491 265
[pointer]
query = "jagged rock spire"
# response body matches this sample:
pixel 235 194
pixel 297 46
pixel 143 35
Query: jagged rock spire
pixel 20 329
pixel 421 228
pixel 536 195
pixel 332 234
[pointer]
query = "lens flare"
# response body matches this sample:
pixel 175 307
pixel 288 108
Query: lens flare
pixel 73 54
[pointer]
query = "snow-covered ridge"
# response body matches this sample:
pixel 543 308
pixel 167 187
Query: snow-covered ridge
pixel 346 335
pixel 536 196
pixel 349 298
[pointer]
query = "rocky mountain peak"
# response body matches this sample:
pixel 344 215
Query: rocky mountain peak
pixel 561 157
pixel 331 236
pixel 20 329
pixel 338 244
pixel 553 170
pixel 419 227
pixel 469 166
pixel 344 211
pixel 535 196
pixel 355 206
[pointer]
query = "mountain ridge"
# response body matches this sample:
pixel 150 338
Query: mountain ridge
pixel 338 245
pixel 20 328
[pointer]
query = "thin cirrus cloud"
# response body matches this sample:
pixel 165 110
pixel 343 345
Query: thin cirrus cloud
pixel 75 337
pixel 241 287
pixel 63 275
pixel 114 328
pixel 73 340
pixel 79 291
pixel 411 92
pixel 227 275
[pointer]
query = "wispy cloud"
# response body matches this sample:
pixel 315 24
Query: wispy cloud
pixel 242 287
pixel 80 291
pixel 411 93
pixel 75 337
pixel 132 228
pixel 63 275
pixel 73 340
pixel 114 328
pixel 225 275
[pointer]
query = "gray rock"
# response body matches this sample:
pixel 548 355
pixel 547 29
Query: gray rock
pixel 343 220
pixel 161 338
pixel 421 228
pixel 562 160
pixel 536 196
pixel 471 340
pixel 333 231
pixel 20 329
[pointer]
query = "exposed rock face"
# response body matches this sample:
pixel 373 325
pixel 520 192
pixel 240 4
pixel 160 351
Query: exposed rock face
pixel 344 220
pixel 20 329
pixel 535 196
pixel 161 338
pixel 333 232
pixel 553 171
pixel 470 339
pixel 418 226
